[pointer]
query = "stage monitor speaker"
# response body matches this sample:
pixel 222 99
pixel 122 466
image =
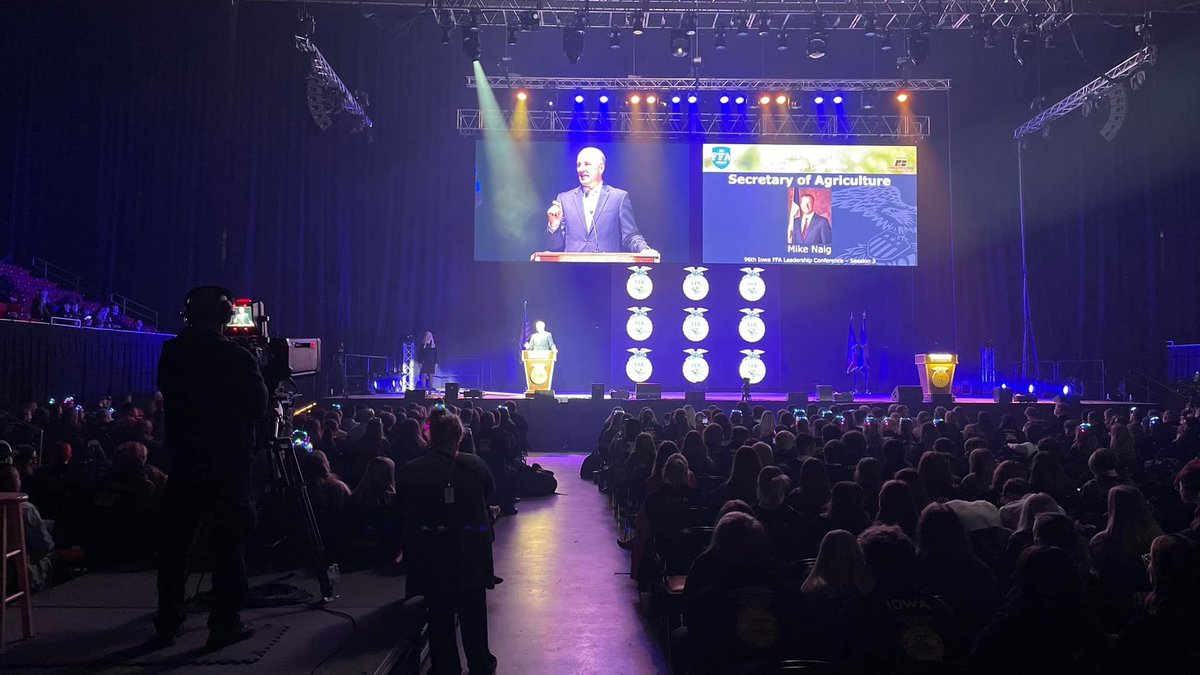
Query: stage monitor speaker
pixel 825 393
pixel 451 392
pixel 844 397
pixel 693 397
pixel 943 400
pixel 797 399
pixel 597 391
pixel 648 391
pixel 1002 395
pixel 414 396
pixel 1025 398
pixel 474 393
pixel 911 396
pixel 619 394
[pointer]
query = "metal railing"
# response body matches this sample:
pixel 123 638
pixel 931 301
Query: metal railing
pixel 60 276
pixel 135 310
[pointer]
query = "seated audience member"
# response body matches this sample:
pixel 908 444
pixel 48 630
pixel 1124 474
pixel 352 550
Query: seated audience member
pixel 948 568
pixel 1012 498
pixel 977 483
pixel 844 512
pixel 782 522
pixel 42 309
pixel 408 443
pixel 662 506
pixel 989 538
pixel 934 469
pixel 1093 496
pixel 896 507
pixel 896 625
pixel 1117 550
pixel 727 598
pixel 920 497
pixel 696 453
pixel 893 457
pixel 1046 474
pixel 132 477
pixel 1055 529
pixel 838 575
pixel 868 473
pixel 766 456
pixel 1044 627
pixel 812 492
pixel 372 514
pixel 39 545
pixel 743 479
pixel 1167 638
pixel 1022 536
pixel 1004 471
pixel 326 490
pixel 58 487
pixel 1185 518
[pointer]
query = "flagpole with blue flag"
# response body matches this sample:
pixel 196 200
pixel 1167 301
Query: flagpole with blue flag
pixel 526 329
pixel 851 351
pixel 864 355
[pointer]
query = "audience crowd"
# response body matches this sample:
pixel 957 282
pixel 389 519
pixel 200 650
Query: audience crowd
pixel 876 541
pixel 95 489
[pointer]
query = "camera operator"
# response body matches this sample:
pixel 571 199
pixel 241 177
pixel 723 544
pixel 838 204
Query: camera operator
pixel 448 545
pixel 213 392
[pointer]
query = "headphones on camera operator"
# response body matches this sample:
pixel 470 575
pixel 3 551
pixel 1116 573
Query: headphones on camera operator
pixel 207 305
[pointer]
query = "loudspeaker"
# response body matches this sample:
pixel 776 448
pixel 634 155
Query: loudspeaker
pixel 597 391
pixel 1025 398
pixel 693 397
pixel 648 391
pixel 943 400
pixel 798 399
pixel 911 396
pixel 844 397
pixel 414 396
pixel 1002 395
pixel 825 393
pixel 451 392
pixel 619 394
pixel 474 393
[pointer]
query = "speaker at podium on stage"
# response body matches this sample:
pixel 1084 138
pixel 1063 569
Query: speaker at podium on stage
pixel 538 359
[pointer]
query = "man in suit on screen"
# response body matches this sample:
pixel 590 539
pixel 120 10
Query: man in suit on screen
pixel 594 217
pixel 806 226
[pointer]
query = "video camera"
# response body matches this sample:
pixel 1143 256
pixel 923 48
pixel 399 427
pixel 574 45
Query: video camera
pixel 280 359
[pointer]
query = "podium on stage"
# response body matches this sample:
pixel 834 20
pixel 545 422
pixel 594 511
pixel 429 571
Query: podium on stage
pixel 937 373
pixel 595 257
pixel 539 370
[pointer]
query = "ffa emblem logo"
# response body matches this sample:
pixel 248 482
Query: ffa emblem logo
pixel 752 367
pixel 638 366
pixel 695 284
pixel 940 378
pixel 751 327
pixel 752 287
pixel 639 326
pixel 721 157
pixel 695 368
pixel 639 286
pixel 695 327
pixel 538 374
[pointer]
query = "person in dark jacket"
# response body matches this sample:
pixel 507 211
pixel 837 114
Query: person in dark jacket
pixel 213 393
pixel 448 545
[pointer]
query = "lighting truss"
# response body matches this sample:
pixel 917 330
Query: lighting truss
pixel 784 14
pixel 1146 56
pixel 708 84
pixel 672 124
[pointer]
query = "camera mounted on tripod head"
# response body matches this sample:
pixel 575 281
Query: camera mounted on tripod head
pixel 280 359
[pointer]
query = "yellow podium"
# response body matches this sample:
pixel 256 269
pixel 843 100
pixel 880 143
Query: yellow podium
pixel 539 370
pixel 936 372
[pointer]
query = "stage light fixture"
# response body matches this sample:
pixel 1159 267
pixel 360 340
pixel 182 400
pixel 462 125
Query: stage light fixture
pixel 870 99
pixel 739 100
pixel 689 24
pixel 603 99
pixel 719 40
pixel 522 96
pixel 781 99
pixel 741 25
pixel 885 41
pixel 529 21
pixel 638 23
pixel 470 46
pixel 781 41
pixel 635 99
pixel 868 24
pixel 902 97
pixel 614 39
pixel 675 99
pixel 918 47
pixel 473 21
pixel 764 26
pixel 681 44
pixel 572 44
pixel 817 45
pixel 724 100
pixel 819 99
pixel 837 99
pixel 445 35
pixel 764 100
pixel 651 99
pixel 581 22
pixel 1032 389
pixel 512 37
pixel 579 98
pixel 692 99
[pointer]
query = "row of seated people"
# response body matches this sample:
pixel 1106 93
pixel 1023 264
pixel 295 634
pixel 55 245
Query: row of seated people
pixel 963 553
pixel 48 303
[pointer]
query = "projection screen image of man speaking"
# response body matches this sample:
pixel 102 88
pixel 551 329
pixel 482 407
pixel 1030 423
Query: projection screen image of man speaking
pixel 594 217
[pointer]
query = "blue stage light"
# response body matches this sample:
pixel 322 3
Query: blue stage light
pixel 603 99
pixel 1066 390
pixel 818 99
pixel 740 100
pixel 724 100
pixel 1004 386
pixel 675 99
pixel 692 99
pixel 1032 389
pixel 579 98
pixel 837 100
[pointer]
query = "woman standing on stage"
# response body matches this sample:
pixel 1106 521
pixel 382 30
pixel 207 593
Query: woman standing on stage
pixel 428 359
